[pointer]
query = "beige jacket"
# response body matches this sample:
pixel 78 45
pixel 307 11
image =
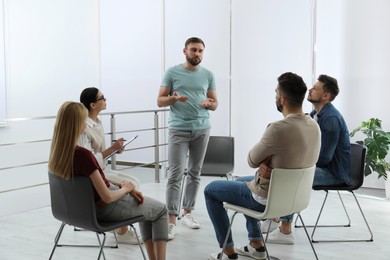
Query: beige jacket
pixel 293 142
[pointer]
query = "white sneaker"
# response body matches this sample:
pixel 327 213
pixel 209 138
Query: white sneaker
pixel 277 237
pixel 265 225
pixel 171 231
pixel 128 238
pixel 255 253
pixel 189 221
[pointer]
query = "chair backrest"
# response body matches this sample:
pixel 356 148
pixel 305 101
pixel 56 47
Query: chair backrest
pixel 289 191
pixel 72 201
pixel 219 158
pixel 358 158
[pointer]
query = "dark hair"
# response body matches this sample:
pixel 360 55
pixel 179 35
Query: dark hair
pixel 88 96
pixel 293 88
pixel 193 40
pixel 330 85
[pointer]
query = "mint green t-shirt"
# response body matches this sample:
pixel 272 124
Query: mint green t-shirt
pixel 189 115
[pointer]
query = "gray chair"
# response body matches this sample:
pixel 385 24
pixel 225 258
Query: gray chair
pixel 72 203
pixel 358 155
pixel 219 158
pixel 218 161
pixel 289 192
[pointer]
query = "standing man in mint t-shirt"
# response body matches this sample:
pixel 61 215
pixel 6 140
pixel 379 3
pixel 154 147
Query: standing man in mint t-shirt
pixel 189 90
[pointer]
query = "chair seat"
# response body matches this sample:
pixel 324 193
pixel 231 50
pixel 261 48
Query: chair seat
pixel 109 225
pixel 342 186
pixel 248 212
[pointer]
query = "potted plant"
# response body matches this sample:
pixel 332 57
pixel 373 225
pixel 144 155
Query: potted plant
pixel 377 142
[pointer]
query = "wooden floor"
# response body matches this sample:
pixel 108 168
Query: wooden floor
pixel 29 235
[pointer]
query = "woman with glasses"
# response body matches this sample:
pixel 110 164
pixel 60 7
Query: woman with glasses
pixel 93 139
pixel 113 202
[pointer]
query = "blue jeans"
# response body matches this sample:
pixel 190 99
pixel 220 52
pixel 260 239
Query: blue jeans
pixel 235 192
pixel 323 176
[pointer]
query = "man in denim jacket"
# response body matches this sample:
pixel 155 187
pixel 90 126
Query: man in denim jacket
pixel 334 163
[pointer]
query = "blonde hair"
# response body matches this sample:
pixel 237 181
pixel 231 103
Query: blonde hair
pixel 68 127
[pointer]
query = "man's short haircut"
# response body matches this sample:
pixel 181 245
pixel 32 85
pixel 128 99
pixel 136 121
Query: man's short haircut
pixel 193 40
pixel 293 88
pixel 330 85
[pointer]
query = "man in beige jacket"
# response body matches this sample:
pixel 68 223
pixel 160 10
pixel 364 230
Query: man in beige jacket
pixel 293 142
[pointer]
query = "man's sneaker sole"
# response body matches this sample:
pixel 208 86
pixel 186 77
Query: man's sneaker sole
pixel 260 255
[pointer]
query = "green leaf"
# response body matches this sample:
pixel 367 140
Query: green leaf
pixel 377 142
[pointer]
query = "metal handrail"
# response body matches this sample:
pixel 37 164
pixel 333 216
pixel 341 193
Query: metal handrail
pixel 156 128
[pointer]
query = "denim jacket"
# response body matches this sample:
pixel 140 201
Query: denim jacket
pixel 335 153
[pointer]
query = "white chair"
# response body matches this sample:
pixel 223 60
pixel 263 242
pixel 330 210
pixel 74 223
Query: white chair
pixel 289 193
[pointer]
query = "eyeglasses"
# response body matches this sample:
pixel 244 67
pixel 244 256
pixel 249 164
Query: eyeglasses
pixel 101 98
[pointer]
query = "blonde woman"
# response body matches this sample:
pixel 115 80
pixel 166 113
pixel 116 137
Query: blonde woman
pixel 93 139
pixel 68 160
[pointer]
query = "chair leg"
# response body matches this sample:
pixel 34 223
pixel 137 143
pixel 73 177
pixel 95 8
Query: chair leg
pixel 116 240
pixel 227 235
pixel 319 216
pixel 101 251
pixel 57 238
pixel 264 240
pixel 322 207
pixel 269 227
pixel 364 217
pixel 307 234
pixel 348 225
pixel 139 242
pixel 80 229
pixel 101 243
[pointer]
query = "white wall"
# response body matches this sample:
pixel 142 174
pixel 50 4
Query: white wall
pixel 51 53
pixel 141 39
pixel 3 104
pixel 269 38
pixel 353 46
pixel 130 36
pixel 54 49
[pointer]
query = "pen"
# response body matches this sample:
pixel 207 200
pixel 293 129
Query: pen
pixel 114 140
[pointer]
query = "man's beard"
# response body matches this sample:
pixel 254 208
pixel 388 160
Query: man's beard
pixel 314 101
pixel 279 106
pixel 193 61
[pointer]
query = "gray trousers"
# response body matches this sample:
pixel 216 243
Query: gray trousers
pixel 155 227
pixel 181 143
